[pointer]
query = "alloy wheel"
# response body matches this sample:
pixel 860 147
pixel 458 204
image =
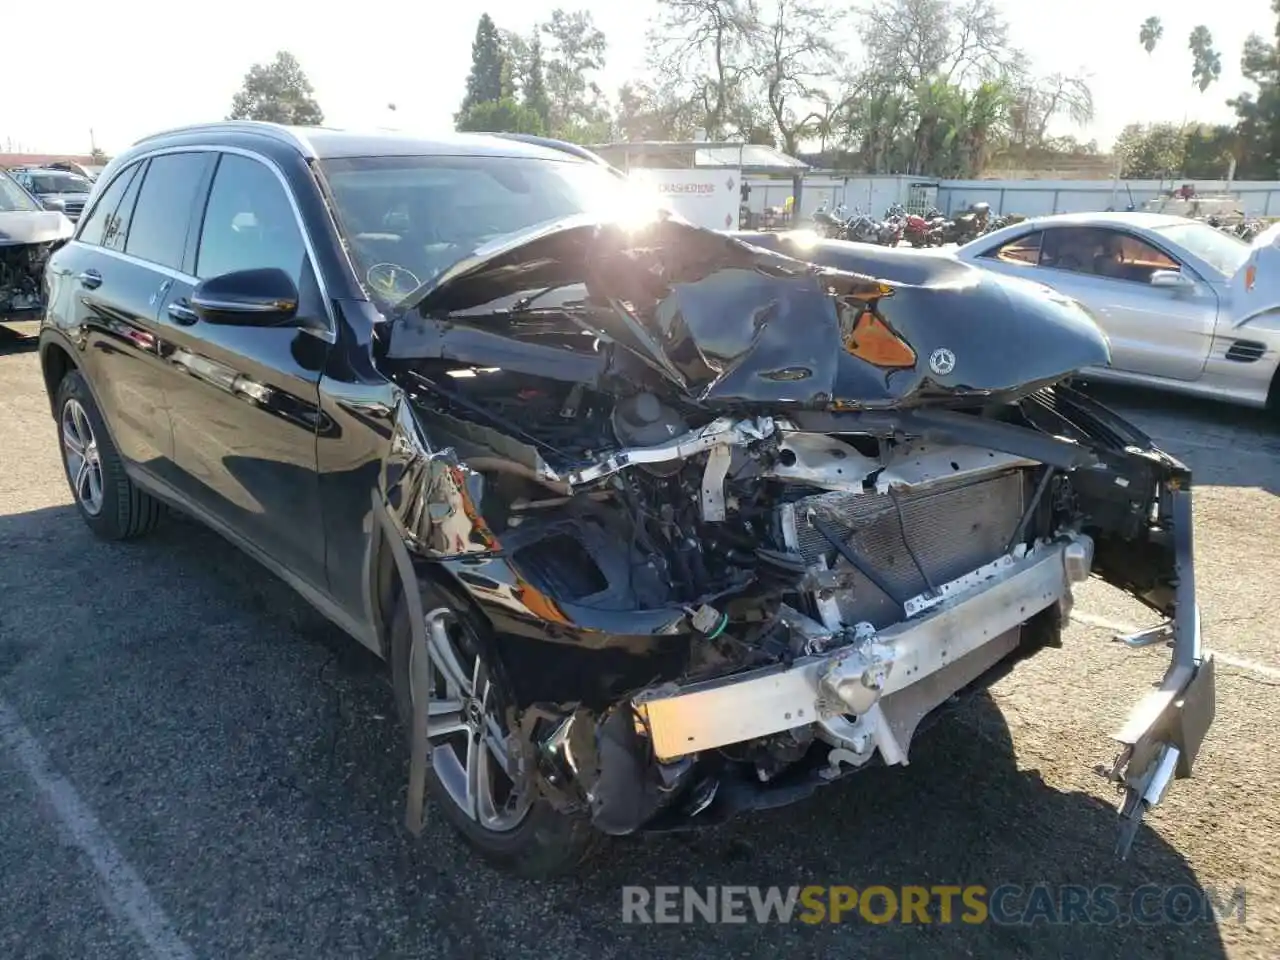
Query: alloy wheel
pixel 468 737
pixel 81 456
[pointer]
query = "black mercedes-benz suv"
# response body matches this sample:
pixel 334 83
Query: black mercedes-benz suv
pixel 652 524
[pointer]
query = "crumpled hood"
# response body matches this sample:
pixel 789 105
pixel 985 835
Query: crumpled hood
pixel 33 226
pixel 808 323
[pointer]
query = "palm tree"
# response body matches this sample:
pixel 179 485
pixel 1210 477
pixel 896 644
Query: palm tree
pixel 937 106
pixel 1150 32
pixel 983 115
pixel 1207 63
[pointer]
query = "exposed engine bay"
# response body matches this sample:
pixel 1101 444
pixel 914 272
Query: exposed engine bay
pixel 741 520
pixel 27 239
pixel 21 271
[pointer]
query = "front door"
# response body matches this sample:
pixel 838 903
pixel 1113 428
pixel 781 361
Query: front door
pixel 1156 331
pixel 245 400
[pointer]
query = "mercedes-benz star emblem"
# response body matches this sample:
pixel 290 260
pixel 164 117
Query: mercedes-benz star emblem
pixel 942 361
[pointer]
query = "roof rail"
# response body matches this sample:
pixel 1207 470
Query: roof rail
pixel 274 130
pixel 564 146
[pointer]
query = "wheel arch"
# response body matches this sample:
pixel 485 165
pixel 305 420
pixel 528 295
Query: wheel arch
pixel 1273 390
pixel 56 361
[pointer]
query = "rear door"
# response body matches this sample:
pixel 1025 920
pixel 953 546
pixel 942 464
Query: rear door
pixel 245 400
pixel 110 301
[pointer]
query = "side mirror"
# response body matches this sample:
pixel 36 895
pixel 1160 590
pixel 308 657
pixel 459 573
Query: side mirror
pixel 1172 279
pixel 250 298
pixel 54 203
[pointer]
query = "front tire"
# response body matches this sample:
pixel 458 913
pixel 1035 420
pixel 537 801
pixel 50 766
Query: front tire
pixel 467 778
pixel 108 501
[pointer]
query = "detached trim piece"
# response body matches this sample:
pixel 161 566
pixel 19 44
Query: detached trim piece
pixel 1162 736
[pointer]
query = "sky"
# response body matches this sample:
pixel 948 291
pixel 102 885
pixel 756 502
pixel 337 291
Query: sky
pixel 361 57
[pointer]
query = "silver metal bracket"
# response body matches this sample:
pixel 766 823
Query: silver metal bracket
pixel 717 468
pixel 1162 633
pixel 1142 791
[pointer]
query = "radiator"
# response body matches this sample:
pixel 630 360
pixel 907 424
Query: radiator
pixel 953 528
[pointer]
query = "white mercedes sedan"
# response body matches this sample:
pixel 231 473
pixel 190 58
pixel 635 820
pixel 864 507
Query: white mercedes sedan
pixel 1186 306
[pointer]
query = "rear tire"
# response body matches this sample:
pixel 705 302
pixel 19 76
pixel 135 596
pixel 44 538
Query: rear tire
pixel 544 842
pixel 108 501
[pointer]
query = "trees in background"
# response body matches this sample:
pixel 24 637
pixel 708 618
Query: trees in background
pixel 1150 33
pixel 542 83
pixel 1206 62
pixel 278 92
pixel 938 89
pixel 1257 131
pixel 1205 151
pixel 488 68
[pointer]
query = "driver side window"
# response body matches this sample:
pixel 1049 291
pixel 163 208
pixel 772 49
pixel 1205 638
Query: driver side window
pixel 249 222
pixel 1100 252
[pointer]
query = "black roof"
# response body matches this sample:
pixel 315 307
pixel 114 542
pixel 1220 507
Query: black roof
pixel 328 143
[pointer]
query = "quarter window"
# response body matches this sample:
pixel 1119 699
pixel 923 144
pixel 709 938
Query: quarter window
pixel 1023 250
pixel 158 232
pixel 249 222
pixel 117 231
pixel 100 223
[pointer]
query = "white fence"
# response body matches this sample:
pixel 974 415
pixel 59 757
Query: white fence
pixel 1039 197
pixel 1027 197
pixel 857 194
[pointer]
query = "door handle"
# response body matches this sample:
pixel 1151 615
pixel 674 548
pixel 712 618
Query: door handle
pixel 180 312
pixel 90 279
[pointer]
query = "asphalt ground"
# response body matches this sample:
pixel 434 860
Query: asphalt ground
pixel 194 764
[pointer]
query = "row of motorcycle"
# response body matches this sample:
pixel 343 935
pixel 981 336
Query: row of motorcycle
pixel 933 229
pixel 1245 228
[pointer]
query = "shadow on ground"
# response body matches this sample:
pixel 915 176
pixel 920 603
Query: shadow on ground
pixel 244 755
pixel 17 338
pixel 1194 410
pixel 1225 445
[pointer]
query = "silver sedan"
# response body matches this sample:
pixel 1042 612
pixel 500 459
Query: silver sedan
pixel 1186 306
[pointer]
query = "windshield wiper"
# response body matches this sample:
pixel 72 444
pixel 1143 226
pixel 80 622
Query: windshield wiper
pixel 527 301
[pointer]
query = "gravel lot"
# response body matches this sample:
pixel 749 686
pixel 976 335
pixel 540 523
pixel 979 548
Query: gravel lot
pixel 195 764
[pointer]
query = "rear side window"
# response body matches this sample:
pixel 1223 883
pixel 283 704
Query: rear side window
pixel 249 222
pixel 165 204
pixel 100 223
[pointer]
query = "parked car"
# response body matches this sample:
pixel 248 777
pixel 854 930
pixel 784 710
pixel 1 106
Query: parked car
pixel 60 190
pixel 1186 307
pixel 89 173
pixel 28 235
pixel 623 502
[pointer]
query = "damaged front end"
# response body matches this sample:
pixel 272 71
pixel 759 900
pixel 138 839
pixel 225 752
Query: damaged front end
pixel 28 236
pixel 740 519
